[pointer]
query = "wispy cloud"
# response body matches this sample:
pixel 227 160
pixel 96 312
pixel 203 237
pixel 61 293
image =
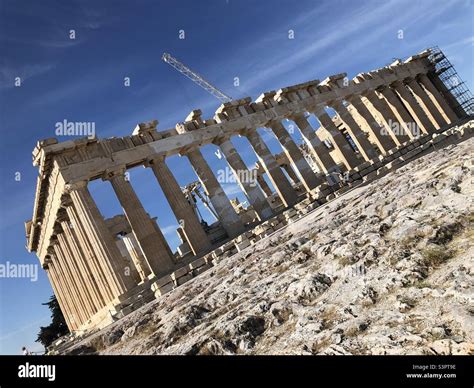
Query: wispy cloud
pixel 8 74
pixel 469 41
pixel 25 328
pixel 368 23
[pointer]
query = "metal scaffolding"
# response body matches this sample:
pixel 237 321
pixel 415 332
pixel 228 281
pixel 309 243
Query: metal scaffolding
pixel 451 79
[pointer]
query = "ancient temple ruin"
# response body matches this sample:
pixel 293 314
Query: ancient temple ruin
pixel 101 269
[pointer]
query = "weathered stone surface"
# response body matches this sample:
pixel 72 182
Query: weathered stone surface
pixel 383 269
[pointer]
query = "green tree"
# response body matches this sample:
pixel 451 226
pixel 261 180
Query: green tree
pixel 57 328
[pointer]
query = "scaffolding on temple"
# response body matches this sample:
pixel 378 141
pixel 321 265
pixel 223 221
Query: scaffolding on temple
pixel 455 85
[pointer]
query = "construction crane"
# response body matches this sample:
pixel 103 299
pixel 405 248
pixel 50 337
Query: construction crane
pixel 196 78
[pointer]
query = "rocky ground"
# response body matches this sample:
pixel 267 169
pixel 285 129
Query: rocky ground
pixel 385 269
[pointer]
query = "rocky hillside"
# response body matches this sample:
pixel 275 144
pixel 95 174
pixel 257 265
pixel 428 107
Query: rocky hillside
pixel 385 269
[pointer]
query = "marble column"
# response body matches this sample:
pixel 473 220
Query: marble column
pixel 275 174
pixel 84 266
pixel 359 137
pixel 403 117
pixel 341 146
pixel 413 107
pixel 426 103
pixel 77 279
pixel 307 177
pixel 72 294
pixel 65 309
pixel 438 99
pixel 386 115
pixel 286 166
pixel 318 149
pixel 228 217
pixel 136 254
pixel 99 273
pixel 152 242
pixel 246 180
pixel 264 185
pixel 383 142
pixel 101 240
pixel 193 231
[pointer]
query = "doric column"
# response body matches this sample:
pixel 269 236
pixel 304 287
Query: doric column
pixel 275 174
pixel 318 149
pixel 386 115
pixel 294 155
pixel 182 209
pixel 384 142
pixel 342 147
pixel 136 254
pixel 65 309
pixel 75 302
pixel 403 117
pixel 413 107
pixel 438 99
pixel 129 262
pixel 245 180
pixel 426 103
pixel 358 136
pixel 286 166
pixel 151 240
pixel 77 280
pixel 84 266
pixel 101 240
pixel 96 266
pixel 264 185
pixel 228 217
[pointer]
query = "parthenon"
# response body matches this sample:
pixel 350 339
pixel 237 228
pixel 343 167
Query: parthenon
pixel 101 269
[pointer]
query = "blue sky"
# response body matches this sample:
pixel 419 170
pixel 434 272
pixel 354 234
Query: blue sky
pixel 83 80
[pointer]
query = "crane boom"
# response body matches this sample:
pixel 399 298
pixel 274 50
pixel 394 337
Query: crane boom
pixel 196 78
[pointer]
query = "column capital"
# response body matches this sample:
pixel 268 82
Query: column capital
pixel 273 122
pixel 61 215
pixel 69 187
pixel 66 201
pixel 112 173
pixel 397 83
pixel 352 97
pixel 296 115
pixel 151 160
pixel 57 229
pixel 319 110
pixel 221 139
pixel 52 242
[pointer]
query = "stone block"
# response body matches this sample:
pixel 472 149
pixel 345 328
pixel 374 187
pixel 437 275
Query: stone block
pixel 163 280
pixel 197 263
pixel 242 245
pixel 184 279
pixel 164 289
pixel 202 269
pixel 370 176
pixel 180 272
